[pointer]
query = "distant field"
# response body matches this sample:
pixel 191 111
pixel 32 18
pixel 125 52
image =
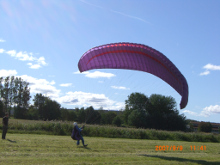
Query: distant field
pixel 49 149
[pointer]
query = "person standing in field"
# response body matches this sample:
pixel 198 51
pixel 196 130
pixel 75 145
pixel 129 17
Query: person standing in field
pixel 76 134
pixel 5 125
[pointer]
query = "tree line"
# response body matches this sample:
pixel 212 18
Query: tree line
pixel 14 92
pixel 156 111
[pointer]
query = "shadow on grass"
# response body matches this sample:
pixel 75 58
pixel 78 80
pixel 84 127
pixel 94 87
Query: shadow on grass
pixel 182 159
pixel 84 147
pixel 11 141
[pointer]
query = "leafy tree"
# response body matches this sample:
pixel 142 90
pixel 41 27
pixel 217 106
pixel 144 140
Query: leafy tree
pixel 81 115
pixel 20 112
pixel 157 111
pixel 33 113
pixel 64 114
pixel 5 93
pixel 137 101
pixel 72 116
pixel 1 109
pixel 11 93
pixel 136 109
pixel 117 121
pixel 162 104
pixel 205 127
pixel 21 93
pixel 107 117
pixel 39 102
pixel 26 95
pixel 1 87
pixel 92 116
pixel 51 109
pixel 137 118
pixel 68 115
pixel 126 113
pixel 48 109
pixel 14 91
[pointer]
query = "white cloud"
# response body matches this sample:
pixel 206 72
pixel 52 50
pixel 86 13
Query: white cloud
pixel 191 113
pixel 41 61
pixel 205 73
pixel 2 50
pixel 209 67
pixel 66 85
pixel 98 74
pixel 42 86
pixel 52 82
pixel 100 81
pixel 11 53
pixel 212 109
pixel 212 67
pixel 77 98
pixel 84 99
pixel 206 112
pixel 35 63
pixel 1 40
pixel 34 66
pixel 78 72
pixel 23 56
pixel 5 73
pixel 120 87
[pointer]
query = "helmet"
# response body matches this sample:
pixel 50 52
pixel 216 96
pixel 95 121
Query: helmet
pixel 75 123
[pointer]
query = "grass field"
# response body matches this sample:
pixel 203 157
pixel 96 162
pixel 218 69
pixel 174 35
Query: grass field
pixel 50 149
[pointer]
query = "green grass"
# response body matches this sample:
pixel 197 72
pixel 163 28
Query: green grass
pixel 50 149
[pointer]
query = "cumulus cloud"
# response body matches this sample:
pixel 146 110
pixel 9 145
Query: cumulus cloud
pixel 206 112
pixel 36 85
pixel 205 73
pixel 78 72
pixel 212 109
pixel 98 74
pixel 77 98
pixel 5 73
pixel 84 99
pixel 1 40
pixel 212 67
pixel 66 85
pixel 209 67
pixel 35 63
pixel 191 113
pixel 34 66
pixel 42 86
pixel 120 87
pixel 2 50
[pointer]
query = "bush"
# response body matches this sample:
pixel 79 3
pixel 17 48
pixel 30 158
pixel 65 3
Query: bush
pixel 64 128
pixel 117 121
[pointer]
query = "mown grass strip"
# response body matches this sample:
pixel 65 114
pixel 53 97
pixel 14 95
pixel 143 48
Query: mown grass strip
pixel 50 149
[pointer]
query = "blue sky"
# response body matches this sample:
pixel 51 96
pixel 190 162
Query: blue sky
pixel 43 40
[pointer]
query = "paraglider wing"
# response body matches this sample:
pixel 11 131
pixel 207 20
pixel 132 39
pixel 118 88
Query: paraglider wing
pixel 135 57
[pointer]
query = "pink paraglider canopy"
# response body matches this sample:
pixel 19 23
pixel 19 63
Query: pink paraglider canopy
pixel 135 57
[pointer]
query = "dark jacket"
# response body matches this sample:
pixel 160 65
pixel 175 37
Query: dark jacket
pixel 5 121
pixel 76 133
